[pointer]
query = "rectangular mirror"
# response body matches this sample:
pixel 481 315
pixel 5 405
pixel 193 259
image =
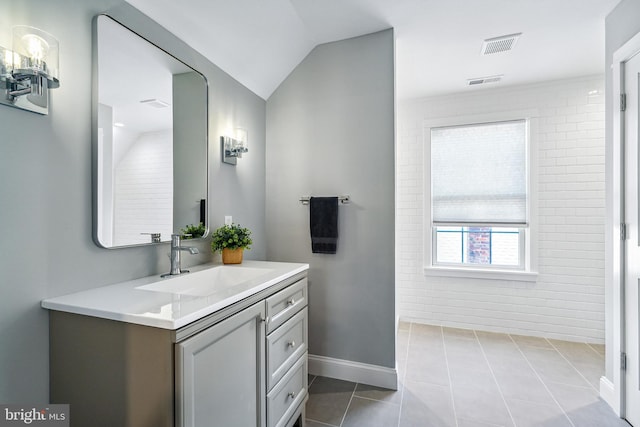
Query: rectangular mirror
pixel 149 142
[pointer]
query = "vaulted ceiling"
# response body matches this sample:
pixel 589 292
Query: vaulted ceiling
pixel 438 42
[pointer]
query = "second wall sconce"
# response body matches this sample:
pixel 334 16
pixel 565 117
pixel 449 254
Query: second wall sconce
pixel 233 147
pixel 29 69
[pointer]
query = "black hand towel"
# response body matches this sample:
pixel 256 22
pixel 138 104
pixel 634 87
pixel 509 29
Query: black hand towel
pixel 323 220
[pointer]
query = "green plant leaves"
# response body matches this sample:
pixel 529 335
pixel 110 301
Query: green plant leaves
pixel 231 236
pixel 194 230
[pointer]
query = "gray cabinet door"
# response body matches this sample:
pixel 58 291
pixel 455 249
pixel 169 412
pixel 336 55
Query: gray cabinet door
pixel 220 374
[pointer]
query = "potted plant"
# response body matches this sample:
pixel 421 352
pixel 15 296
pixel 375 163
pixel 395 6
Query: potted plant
pixel 231 240
pixel 193 231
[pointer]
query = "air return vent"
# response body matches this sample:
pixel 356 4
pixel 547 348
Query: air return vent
pixel 155 103
pixel 499 44
pixel 483 80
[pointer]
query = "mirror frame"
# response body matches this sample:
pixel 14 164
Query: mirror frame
pixel 94 134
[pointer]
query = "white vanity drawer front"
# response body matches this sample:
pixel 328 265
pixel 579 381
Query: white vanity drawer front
pixel 284 304
pixel 285 345
pixel 285 398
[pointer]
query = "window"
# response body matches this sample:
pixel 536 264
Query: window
pixel 479 246
pixel 480 195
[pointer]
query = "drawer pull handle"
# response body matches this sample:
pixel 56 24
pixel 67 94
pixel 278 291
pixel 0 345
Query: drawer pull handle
pixel 291 344
pixel 292 395
pixel 291 301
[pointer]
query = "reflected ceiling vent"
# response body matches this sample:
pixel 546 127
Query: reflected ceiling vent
pixel 155 103
pixel 484 80
pixel 499 44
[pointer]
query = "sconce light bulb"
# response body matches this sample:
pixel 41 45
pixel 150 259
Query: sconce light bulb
pixel 240 134
pixel 8 59
pixel 36 46
pixel 38 53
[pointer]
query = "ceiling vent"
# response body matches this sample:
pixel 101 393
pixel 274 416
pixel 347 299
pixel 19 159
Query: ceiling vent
pixel 499 44
pixel 484 80
pixel 155 103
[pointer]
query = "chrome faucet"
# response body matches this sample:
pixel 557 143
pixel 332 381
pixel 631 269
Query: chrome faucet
pixel 155 237
pixel 175 255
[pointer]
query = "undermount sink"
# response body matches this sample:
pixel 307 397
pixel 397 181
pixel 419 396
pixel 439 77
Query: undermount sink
pixel 206 282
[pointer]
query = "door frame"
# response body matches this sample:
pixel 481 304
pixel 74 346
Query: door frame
pixel 613 390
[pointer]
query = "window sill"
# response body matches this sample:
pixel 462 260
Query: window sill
pixel 476 273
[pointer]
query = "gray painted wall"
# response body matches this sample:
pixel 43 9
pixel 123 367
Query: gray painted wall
pixel 190 171
pixel 330 131
pixel 45 186
pixel 620 26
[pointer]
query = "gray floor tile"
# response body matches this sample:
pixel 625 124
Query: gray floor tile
pixel 506 358
pixel 577 352
pixel 456 377
pixel 425 330
pixel 552 367
pixel 497 344
pixel 477 403
pixel 495 337
pixel 426 405
pixel 458 333
pixel 532 414
pixel 591 371
pixel 377 393
pixel 542 355
pixel 428 366
pixel 402 369
pixel 560 372
pixel 524 387
pixel 584 407
pixel 596 414
pixel 527 341
pixel 571 397
pixel 311 423
pixel 328 400
pixel 402 344
pixel 371 413
pixel 424 342
pixel 465 358
pixel 461 348
pixel 497 348
pixel 428 371
pixel 472 374
pixel 598 348
pixel 510 364
pixel 404 326
pixel 475 423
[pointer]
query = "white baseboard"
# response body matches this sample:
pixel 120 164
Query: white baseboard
pixel 608 394
pixel 347 370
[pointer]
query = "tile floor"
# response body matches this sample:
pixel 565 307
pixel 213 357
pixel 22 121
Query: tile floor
pixel 463 378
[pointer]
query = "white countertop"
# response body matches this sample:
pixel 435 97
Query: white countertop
pixel 166 309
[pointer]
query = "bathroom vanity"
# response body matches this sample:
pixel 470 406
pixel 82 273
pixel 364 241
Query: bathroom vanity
pixel 220 346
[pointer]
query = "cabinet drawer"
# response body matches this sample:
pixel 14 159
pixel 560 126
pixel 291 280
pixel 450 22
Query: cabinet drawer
pixel 285 398
pixel 285 345
pixel 284 304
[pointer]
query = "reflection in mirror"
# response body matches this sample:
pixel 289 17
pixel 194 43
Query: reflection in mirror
pixel 150 145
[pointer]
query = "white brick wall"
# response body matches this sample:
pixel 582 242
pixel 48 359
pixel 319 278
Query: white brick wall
pixel 143 190
pixel 567 301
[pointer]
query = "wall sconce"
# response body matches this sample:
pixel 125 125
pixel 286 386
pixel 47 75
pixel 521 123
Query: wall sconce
pixel 233 147
pixel 29 69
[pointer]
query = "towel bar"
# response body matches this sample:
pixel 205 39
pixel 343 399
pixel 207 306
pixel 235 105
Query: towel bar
pixel 344 200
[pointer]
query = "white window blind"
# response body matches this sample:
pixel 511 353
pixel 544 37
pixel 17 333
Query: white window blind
pixel 479 173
